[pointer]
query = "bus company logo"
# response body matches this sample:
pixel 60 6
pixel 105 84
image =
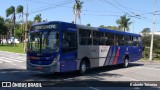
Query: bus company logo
pixel 6 84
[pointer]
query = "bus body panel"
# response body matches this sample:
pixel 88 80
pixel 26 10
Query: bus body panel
pixel 99 55
pixel 68 61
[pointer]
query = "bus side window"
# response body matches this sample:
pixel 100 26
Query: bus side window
pixel 135 41
pixel 98 38
pixel 119 40
pixel 109 38
pixel 69 41
pixel 85 37
pixel 127 40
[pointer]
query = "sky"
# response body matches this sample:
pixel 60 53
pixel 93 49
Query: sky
pixel 94 12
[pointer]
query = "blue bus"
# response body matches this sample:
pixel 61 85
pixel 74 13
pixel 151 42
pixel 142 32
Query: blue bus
pixel 61 47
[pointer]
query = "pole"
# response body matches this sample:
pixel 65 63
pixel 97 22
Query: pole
pixel 75 11
pixel 25 36
pixel 152 36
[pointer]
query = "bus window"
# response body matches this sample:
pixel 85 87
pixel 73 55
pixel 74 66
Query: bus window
pixel 110 38
pixel 69 41
pixel 135 41
pixel 85 37
pixel 97 38
pixel 119 40
pixel 127 40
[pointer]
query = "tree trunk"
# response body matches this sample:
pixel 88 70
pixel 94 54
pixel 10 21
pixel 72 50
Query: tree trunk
pixel 75 16
pixel 14 21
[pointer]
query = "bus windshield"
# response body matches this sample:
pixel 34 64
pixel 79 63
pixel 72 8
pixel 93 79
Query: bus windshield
pixel 44 42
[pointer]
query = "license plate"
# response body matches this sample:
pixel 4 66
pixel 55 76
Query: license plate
pixel 39 67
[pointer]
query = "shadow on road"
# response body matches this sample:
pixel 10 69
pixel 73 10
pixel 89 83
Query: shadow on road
pixel 94 72
pixel 22 74
pixel 58 78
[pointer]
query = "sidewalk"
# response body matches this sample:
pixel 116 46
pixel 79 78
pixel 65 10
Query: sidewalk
pixel 148 62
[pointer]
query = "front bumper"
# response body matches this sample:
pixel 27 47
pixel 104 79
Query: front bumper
pixel 44 68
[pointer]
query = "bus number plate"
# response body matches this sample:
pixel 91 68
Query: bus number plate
pixel 39 67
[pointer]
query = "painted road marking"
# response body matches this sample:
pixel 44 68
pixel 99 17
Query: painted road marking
pixel 13 57
pixel 1 59
pixel 10 59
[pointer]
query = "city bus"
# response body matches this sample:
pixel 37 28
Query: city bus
pixel 57 46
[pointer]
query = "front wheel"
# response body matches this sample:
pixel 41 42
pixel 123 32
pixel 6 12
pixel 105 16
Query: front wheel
pixel 126 62
pixel 83 68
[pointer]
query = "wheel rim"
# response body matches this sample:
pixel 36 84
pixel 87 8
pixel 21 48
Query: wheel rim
pixel 83 67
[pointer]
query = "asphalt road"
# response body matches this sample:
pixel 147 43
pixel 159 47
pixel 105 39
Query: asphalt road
pixel 13 68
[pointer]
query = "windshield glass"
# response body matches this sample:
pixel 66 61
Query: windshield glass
pixel 44 42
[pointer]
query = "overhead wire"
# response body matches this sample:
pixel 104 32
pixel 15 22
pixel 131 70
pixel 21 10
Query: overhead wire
pixel 52 6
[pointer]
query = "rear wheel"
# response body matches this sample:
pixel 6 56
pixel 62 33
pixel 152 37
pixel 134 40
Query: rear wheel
pixel 83 68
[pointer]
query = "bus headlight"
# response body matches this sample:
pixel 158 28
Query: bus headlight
pixel 56 58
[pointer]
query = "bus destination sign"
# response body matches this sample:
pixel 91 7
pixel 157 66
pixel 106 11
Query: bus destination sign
pixel 41 27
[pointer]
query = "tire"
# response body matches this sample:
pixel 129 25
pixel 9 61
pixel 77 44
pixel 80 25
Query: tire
pixel 126 63
pixel 83 68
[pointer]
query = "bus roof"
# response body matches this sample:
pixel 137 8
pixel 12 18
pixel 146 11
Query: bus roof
pixel 88 27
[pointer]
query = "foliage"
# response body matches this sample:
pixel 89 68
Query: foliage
pixel 77 8
pixel 19 9
pixel 112 27
pixel 146 53
pixel 3 27
pixel 123 23
pixel 146 39
pixel 109 27
pixel 146 31
pixel 88 24
pixel 20 31
pixel 38 18
pixel 11 12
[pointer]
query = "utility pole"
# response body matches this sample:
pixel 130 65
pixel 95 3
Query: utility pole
pixel 152 36
pixel 25 36
pixel 75 11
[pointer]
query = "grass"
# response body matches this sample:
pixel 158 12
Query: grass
pixel 18 48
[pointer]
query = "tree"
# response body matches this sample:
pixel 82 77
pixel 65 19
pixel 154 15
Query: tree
pixel 37 18
pixel 109 27
pixel 9 25
pixel 3 29
pixel 123 23
pixel 146 45
pixel 102 26
pixel 77 10
pixel 11 12
pixel 19 11
pixel 146 31
pixel 88 24
pixel 112 27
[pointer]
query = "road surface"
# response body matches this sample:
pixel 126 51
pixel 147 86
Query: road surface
pixel 13 68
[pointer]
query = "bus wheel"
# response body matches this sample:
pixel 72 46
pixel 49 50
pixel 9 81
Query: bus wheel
pixel 126 62
pixel 83 68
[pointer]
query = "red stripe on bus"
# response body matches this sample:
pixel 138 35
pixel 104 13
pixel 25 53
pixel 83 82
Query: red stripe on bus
pixel 116 57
